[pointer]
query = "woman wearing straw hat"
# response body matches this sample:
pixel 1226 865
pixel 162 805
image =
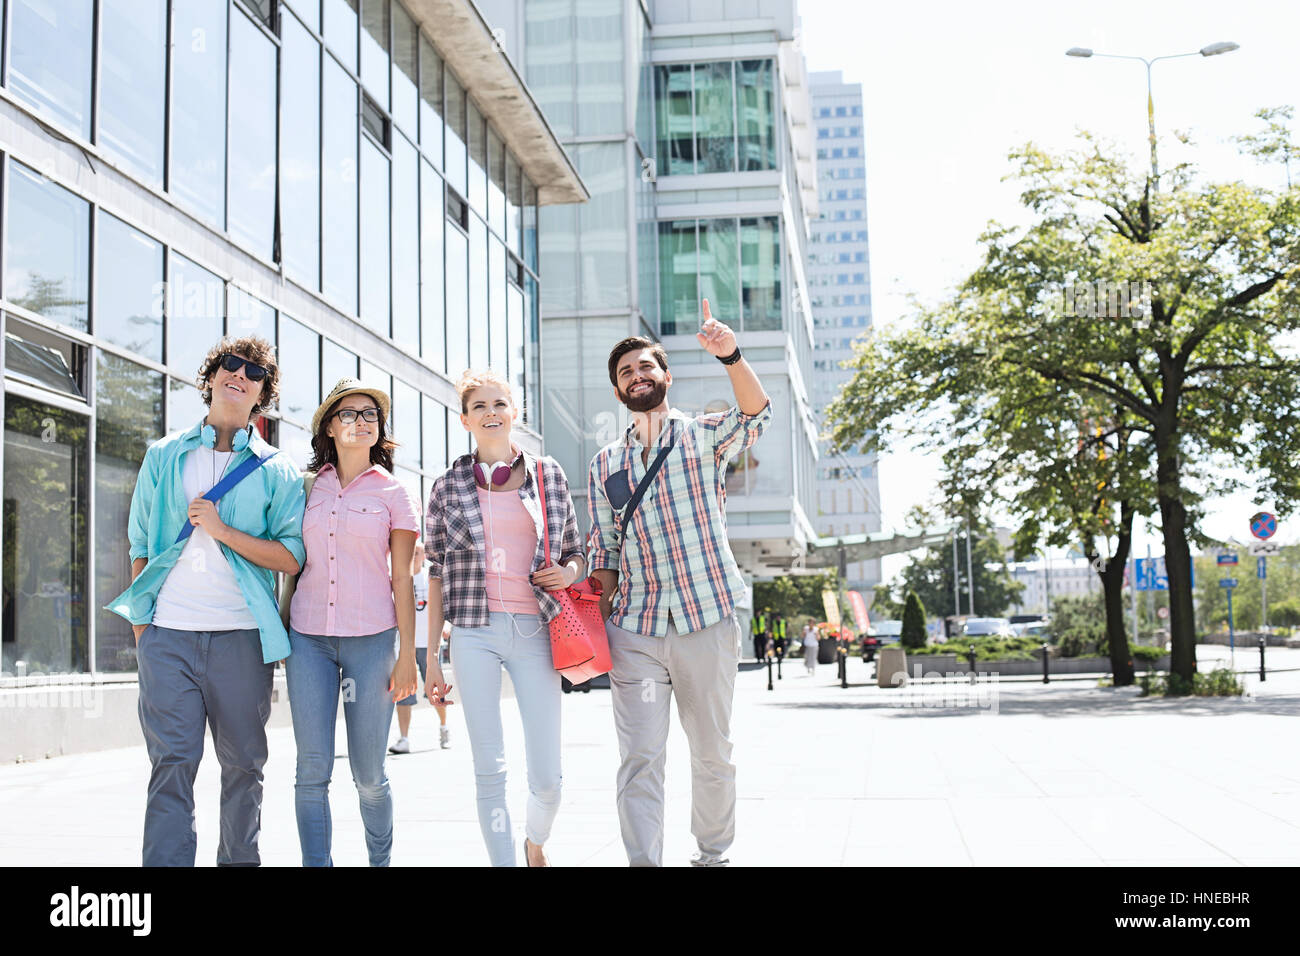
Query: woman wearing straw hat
pixel 489 577
pixel 345 612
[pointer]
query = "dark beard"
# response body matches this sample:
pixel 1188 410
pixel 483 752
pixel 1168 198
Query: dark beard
pixel 644 403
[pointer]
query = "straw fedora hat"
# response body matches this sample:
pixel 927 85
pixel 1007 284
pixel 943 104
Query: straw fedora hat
pixel 346 387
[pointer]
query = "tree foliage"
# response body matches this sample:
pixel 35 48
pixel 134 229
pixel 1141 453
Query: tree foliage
pixel 913 633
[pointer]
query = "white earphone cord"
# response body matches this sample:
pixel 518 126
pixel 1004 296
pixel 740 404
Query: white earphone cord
pixel 492 548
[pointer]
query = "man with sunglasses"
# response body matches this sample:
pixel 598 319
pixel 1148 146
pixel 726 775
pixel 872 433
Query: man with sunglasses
pixel 202 602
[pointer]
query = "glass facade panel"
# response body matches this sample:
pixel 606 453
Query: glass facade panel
pixel 719 271
pixel 341 30
pixel 337 363
pixel 339 169
pixel 45 539
pixel 530 225
pixel 497 352
pixel 375 22
pixel 434 455
pixel 296 443
pixel 197 170
pixel 133 84
pixel 760 273
pixel 431 102
pixel 496 183
pixel 129 406
pixel 300 154
pixel 600 60
pixel 514 196
pixel 405 426
pixel 47 248
pixel 372 374
pixel 477 140
pixel 184 405
pixel 51 49
pixel 714 126
pixel 249 315
pixel 478 293
pixel 433 343
pixel 549 32
pixel 252 128
pixel 561 262
pixel 457 302
pixel 195 307
pixel 679 296
pixel 375 236
pixel 405 76
pixel 300 392
pixel 675 154
pixel 756 114
pixel 36 357
pixel 128 288
pixel 602 225
pixel 515 368
pixel 455 127
pixel 406 245
pixel 532 356
pixel 308 11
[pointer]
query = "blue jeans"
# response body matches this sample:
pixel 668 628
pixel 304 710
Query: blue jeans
pixel 478 654
pixel 317 670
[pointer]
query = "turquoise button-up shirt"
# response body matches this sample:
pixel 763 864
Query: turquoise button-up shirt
pixel 266 504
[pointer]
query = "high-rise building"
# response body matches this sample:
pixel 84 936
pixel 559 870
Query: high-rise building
pixel 839 279
pixel 356 180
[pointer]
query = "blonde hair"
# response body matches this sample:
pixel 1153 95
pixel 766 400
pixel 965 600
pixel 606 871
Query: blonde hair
pixel 471 379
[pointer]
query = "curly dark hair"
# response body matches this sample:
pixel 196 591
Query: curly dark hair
pixel 324 453
pixel 255 349
pixel 635 344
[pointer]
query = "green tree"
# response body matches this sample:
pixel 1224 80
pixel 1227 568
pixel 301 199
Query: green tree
pixel 1186 372
pixel 1078 625
pixel 798 597
pixel 914 633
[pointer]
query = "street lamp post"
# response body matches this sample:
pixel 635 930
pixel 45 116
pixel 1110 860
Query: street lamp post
pixel 1214 49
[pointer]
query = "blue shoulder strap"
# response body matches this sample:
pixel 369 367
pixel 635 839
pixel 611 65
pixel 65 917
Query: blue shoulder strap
pixel 246 468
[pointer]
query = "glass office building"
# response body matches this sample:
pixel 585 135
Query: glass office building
pixel 358 181
pixel 839 280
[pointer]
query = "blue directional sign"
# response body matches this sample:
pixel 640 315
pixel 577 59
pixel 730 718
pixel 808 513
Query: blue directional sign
pixel 1228 557
pixel 1227 582
pixel 1263 525
pixel 1261 567
pixel 1151 574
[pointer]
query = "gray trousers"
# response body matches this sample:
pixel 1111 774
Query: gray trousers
pixel 700 667
pixel 187 679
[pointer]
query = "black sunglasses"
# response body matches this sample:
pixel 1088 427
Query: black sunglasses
pixel 252 371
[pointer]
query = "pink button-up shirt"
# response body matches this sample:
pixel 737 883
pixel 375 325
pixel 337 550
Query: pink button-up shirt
pixel 345 589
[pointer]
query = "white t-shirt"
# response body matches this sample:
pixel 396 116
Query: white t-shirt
pixel 810 637
pixel 201 593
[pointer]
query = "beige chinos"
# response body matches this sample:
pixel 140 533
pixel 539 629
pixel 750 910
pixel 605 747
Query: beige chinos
pixel 701 668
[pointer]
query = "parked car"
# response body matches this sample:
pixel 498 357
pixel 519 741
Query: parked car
pixel 986 627
pixel 1035 629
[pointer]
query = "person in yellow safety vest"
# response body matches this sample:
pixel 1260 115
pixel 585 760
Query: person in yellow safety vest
pixel 758 628
pixel 778 635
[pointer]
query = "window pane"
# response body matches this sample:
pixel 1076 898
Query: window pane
pixel 405 96
pixel 133 84
pixel 308 11
pixel 128 288
pixel 249 315
pixel 405 426
pixel 756 110
pixel 532 356
pixel 45 492
pixel 374 49
pixel 341 30
pixel 602 226
pixel 760 273
pixel 679 297
pixel 720 270
pixel 530 225
pixel 455 132
pixel 47 248
pixel 435 436
pixel 478 289
pixel 457 302
pixel 129 406
pixel 676 149
pixel 433 346
pixel 431 102
pixel 374 237
pixel 339 168
pixel 198 110
pixel 252 141
pixel 185 405
pixel 599 44
pixel 550 32
pixel 496 183
pixel 337 363
pixel 299 388
pixel 406 245
pixel 561 261
pixel 195 306
pixel 296 443
pixel 716 147
pixel 50 53
pixel 477 161
pixel 300 154
pixel 497 304
pixel 38 357
pixel 515 341
pixel 372 374
pixel 514 196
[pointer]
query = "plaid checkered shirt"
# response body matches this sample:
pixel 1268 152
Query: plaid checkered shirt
pixel 453 536
pixel 674 555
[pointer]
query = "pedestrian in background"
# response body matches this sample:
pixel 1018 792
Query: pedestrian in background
pixel 346 612
pixel 810 642
pixel 422 621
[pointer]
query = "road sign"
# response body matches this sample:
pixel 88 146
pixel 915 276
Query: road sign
pixel 1261 567
pixel 1263 525
pixel 1227 582
pixel 1227 557
pixel 1162 612
pixel 1264 549
pixel 1151 574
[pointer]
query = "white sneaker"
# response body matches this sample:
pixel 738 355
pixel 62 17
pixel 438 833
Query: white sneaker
pixel 402 746
pixel 444 737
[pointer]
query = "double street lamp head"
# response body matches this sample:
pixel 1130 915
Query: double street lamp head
pixel 1214 49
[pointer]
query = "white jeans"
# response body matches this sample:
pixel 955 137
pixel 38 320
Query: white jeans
pixel 477 656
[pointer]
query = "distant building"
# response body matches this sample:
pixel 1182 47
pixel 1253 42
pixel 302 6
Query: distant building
pixel 1068 577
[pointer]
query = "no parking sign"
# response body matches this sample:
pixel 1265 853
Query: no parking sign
pixel 1263 525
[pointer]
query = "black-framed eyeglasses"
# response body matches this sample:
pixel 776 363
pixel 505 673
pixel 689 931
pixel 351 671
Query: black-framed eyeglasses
pixel 252 371
pixel 349 415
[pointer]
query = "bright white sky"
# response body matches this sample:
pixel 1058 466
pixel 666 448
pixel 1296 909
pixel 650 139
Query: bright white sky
pixel 949 88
